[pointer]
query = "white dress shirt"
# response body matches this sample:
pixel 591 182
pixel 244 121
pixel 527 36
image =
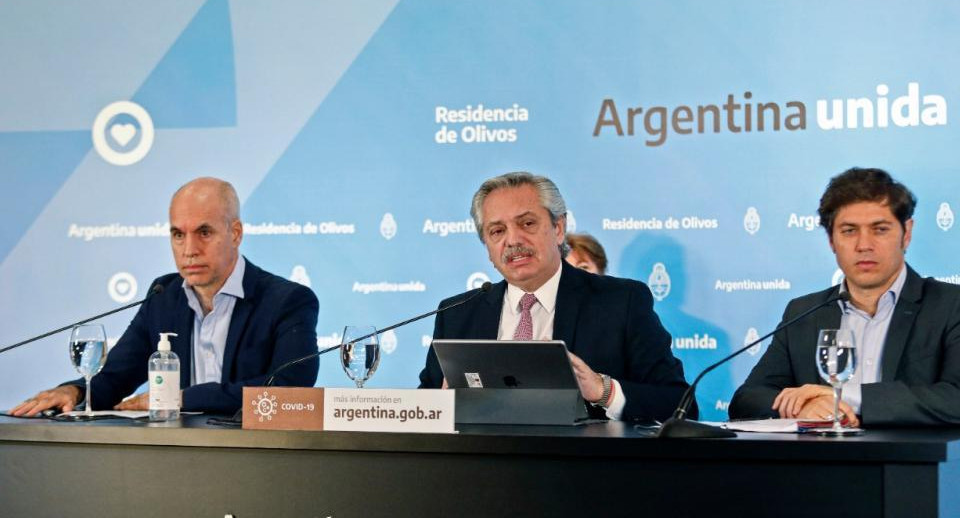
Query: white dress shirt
pixel 869 336
pixel 209 338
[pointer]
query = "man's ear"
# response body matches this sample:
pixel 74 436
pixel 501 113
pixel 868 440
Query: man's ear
pixel 236 232
pixel 907 234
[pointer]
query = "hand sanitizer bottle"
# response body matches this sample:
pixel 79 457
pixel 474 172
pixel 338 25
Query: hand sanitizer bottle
pixel 164 377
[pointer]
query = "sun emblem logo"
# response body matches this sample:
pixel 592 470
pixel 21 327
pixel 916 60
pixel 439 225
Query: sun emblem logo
pixel 265 406
pixel 752 336
pixel 659 282
pixel 571 222
pixel 837 278
pixel 945 217
pixel 751 221
pixel 388 226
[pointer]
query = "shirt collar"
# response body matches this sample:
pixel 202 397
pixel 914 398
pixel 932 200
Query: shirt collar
pixel 893 293
pixel 233 286
pixel 546 294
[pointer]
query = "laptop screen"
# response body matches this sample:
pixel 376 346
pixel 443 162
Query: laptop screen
pixel 505 364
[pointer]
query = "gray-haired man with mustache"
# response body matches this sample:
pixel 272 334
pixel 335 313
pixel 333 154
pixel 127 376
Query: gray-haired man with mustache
pixel 619 350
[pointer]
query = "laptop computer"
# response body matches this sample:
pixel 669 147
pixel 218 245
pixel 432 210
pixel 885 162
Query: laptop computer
pixel 521 382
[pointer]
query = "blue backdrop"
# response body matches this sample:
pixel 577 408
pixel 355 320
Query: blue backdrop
pixel 693 139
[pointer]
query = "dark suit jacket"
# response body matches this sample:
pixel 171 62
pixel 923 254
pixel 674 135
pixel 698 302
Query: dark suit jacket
pixel 275 322
pixel 606 321
pixel 920 366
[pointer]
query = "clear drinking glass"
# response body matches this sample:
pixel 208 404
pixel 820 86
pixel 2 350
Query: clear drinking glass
pixel 88 352
pixel 360 357
pixel 836 362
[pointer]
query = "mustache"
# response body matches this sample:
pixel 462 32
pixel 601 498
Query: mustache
pixel 515 250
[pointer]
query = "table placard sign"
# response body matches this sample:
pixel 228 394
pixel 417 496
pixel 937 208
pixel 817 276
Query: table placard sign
pixel 282 408
pixel 389 410
pixel 359 410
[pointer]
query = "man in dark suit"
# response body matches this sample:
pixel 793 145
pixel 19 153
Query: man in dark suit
pixel 608 324
pixel 235 322
pixel 906 328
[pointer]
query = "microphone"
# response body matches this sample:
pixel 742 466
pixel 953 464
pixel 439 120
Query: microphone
pixel 155 289
pixel 483 289
pixel 679 427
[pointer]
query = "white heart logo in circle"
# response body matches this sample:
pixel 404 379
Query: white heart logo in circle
pixel 122 287
pixel 123 133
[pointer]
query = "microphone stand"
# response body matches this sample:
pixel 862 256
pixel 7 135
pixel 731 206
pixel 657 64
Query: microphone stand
pixel 154 290
pixel 678 426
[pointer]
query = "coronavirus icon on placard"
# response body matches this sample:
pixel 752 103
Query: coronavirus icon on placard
pixel 476 280
pixel 752 336
pixel 265 406
pixel 122 287
pixel 388 226
pixel 751 221
pixel 945 217
pixel 123 133
pixel 659 281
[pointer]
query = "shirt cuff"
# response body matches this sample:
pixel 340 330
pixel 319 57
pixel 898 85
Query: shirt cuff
pixel 615 410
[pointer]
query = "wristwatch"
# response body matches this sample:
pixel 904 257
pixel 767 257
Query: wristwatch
pixel 607 387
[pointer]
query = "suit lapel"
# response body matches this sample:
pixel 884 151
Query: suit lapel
pixel 570 294
pixel 183 343
pixel 488 313
pixel 828 317
pixel 901 323
pixel 238 320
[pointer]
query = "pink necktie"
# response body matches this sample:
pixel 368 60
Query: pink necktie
pixel 525 327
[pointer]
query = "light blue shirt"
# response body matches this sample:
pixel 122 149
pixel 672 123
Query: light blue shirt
pixel 869 335
pixel 209 338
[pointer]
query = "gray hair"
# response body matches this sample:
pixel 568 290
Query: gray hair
pixel 549 194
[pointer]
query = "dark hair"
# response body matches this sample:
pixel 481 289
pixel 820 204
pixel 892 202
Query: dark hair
pixel 861 184
pixel 589 246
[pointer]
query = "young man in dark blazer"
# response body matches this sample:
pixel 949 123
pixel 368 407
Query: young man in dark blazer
pixel 608 324
pixel 906 328
pixel 235 322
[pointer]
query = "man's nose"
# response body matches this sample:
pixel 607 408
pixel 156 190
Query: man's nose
pixel 190 246
pixel 512 235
